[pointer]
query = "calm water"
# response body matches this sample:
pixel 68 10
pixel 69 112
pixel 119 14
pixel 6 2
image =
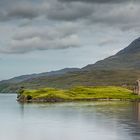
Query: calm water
pixel 69 121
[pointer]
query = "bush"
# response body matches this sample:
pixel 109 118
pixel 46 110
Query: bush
pixel 29 97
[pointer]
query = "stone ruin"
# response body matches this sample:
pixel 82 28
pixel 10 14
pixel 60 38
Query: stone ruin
pixel 137 87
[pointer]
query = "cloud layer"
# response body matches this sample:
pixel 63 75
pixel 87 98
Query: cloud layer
pixel 60 24
pixel 28 39
pixel 100 1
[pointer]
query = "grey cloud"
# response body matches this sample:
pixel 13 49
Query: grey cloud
pixel 69 11
pixel 101 12
pixel 85 14
pixel 21 9
pixel 47 32
pixel 36 39
pixel 100 1
pixel 33 44
pixel 122 16
pixel 27 11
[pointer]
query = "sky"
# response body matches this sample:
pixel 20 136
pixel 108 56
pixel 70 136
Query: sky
pixel 44 35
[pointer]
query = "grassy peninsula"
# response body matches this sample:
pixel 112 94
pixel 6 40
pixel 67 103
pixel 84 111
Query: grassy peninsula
pixel 76 94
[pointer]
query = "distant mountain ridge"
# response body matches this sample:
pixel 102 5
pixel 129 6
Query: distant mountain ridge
pixel 31 76
pixel 134 47
pixel 127 58
pixel 121 69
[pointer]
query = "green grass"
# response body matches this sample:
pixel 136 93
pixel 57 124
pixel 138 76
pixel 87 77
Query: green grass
pixel 79 93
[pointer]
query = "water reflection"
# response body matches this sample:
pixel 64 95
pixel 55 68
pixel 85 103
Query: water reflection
pixel 137 110
pixel 66 121
pixel 21 107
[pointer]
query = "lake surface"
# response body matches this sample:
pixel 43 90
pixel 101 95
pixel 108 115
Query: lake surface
pixel 69 121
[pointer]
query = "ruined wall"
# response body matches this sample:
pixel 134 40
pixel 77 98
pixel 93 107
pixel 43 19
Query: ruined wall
pixel 137 87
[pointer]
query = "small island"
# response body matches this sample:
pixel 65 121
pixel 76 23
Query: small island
pixel 79 93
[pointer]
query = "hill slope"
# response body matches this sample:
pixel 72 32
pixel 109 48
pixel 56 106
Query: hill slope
pixel 45 74
pixel 128 58
pixel 121 69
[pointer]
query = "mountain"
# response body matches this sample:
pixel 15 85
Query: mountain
pixel 32 76
pixel 128 58
pixel 121 69
pixel 11 85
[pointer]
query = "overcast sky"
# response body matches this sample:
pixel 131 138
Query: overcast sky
pixel 43 35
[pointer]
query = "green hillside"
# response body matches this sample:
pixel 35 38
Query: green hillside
pixel 85 78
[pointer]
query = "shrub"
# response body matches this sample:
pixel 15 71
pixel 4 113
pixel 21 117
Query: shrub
pixel 29 97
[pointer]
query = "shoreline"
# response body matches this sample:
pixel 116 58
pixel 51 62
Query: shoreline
pixel 75 100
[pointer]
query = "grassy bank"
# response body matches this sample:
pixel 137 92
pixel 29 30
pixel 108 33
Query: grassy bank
pixel 77 93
